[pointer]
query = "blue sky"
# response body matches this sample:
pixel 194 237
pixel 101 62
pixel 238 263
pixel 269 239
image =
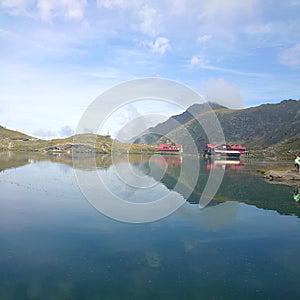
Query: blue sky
pixel 57 56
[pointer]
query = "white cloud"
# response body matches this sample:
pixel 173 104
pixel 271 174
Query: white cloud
pixel 110 3
pixel 291 56
pixel 47 9
pixel 197 60
pixel 150 20
pixel 66 131
pixel 15 3
pixel 200 61
pixel 177 7
pixel 220 91
pixel 17 7
pixel 204 38
pixel 44 133
pixel 159 46
pixel 69 9
pixel 115 3
pixel 141 14
pixel 259 28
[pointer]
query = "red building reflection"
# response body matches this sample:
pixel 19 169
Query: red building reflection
pixel 224 164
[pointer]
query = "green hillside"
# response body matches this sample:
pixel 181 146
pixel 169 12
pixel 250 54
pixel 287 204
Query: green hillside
pixel 12 134
pixel 85 143
pixel 288 148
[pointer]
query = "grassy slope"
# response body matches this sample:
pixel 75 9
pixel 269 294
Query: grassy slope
pixel 16 141
pixel 12 134
pixel 286 149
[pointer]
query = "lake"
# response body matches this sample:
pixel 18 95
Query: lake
pixel 244 244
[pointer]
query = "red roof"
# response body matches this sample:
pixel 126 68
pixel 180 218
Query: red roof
pixel 170 147
pixel 240 148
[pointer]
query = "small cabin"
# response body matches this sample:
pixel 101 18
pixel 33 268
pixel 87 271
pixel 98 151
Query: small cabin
pixel 170 147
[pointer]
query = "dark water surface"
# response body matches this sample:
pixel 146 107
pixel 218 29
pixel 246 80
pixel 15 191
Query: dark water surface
pixel 54 245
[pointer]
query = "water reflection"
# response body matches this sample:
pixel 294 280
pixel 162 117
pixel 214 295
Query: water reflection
pixel 54 245
pixel 10 160
pixel 173 161
pixel 240 183
pixel 296 194
pixel 227 164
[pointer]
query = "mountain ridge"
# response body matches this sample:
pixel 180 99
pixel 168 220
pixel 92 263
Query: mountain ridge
pixel 267 130
pixel 258 127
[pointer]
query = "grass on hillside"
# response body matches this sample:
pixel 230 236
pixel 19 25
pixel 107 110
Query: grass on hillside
pixel 12 134
pixel 15 141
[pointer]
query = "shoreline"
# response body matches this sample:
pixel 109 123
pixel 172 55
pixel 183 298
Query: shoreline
pixel 287 177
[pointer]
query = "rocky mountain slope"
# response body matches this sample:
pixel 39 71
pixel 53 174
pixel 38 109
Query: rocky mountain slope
pixel 261 127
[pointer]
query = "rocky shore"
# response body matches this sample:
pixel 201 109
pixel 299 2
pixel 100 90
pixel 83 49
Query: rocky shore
pixel 289 177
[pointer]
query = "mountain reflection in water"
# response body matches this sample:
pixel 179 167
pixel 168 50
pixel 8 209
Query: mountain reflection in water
pixel 241 182
pixel 55 245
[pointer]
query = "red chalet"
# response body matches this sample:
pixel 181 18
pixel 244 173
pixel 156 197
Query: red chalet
pixel 170 147
pixel 224 150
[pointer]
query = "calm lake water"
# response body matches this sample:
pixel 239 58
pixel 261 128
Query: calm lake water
pixel 55 245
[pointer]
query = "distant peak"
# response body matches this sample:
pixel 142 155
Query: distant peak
pixel 202 107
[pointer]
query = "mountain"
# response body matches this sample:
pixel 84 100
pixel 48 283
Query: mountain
pixel 267 130
pixel 155 134
pixel 256 127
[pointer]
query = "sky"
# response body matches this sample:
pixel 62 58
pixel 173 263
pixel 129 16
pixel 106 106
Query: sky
pixel 57 56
